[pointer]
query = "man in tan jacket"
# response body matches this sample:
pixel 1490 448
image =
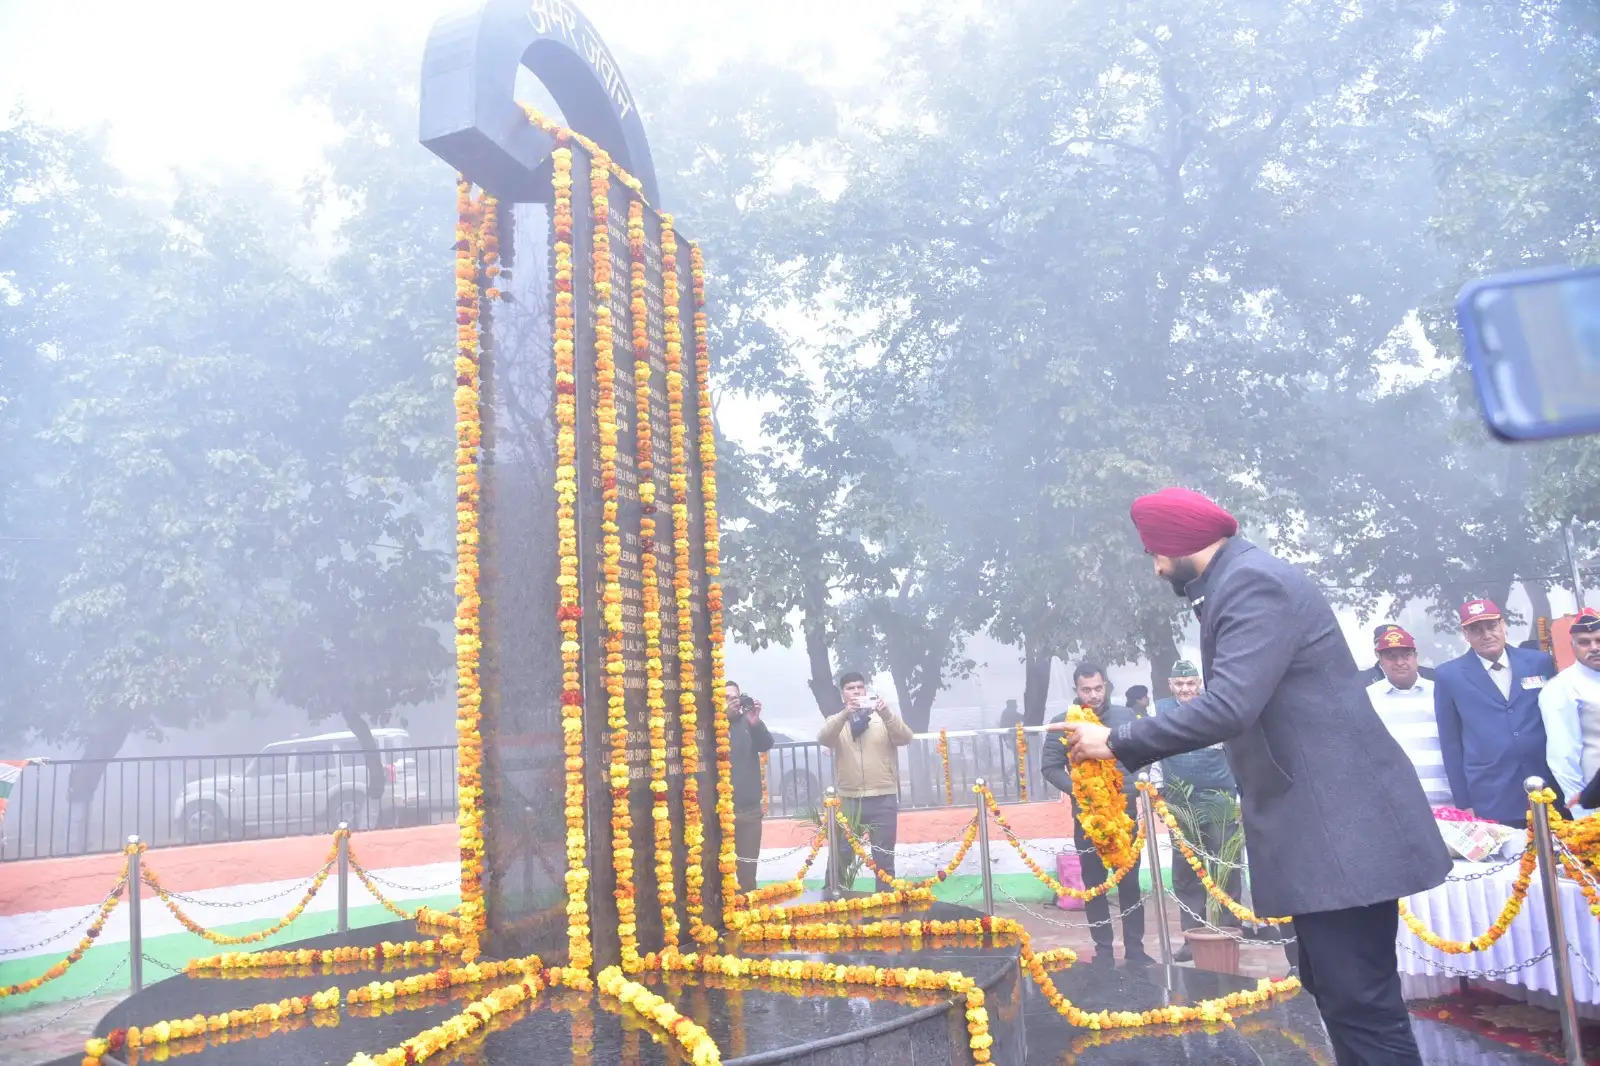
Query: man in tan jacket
pixel 866 768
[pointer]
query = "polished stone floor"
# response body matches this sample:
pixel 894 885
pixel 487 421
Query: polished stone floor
pixel 771 1022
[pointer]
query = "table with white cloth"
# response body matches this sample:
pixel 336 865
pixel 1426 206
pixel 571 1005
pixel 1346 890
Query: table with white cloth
pixel 1468 903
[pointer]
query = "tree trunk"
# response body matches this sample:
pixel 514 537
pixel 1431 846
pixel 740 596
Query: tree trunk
pixel 86 776
pixel 814 625
pixel 1036 660
pixel 377 779
pixel 1539 597
pixel 1161 648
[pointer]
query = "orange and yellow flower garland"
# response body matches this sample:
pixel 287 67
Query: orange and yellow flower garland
pixel 1239 910
pixel 727 861
pixel 697 1044
pixel 1113 877
pixel 89 935
pixel 1497 929
pixel 795 885
pixel 148 876
pixel 944 759
pixel 968 837
pixel 605 368
pixel 1022 763
pixel 473 1017
pixel 580 951
pixel 438 980
pixel 323 958
pixel 743 919
pixel 474 221
pixel 655 691
pixel 1102 810
pixel 682 578
pixel 181 1028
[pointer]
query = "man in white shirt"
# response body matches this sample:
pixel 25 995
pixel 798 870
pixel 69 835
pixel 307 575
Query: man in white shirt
pixel 1404 701
pixel 1570 707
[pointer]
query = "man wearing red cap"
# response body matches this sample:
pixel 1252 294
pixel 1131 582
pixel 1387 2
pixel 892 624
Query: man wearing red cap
pixel 1285 699
pixel 1570 707
pixel 1403 698
pixel 1487 706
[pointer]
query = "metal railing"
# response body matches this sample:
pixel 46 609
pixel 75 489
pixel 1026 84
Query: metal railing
pixel 195 799
pixel 799 772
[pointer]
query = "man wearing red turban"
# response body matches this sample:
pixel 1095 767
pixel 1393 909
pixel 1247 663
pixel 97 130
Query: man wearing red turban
pixel 1285 699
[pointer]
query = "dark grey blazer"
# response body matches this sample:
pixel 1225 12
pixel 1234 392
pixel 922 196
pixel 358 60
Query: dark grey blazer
pixel 1334 815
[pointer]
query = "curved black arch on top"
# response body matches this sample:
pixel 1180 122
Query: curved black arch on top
pixel 470 118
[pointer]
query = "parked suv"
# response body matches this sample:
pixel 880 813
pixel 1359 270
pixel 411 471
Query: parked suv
pixel 305 785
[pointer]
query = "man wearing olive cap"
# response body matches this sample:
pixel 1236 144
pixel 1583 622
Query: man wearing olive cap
pixel 1284 697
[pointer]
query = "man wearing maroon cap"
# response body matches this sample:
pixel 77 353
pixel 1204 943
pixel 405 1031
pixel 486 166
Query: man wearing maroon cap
pixel 1285 699
pixel 1486 704
pixel 1403 699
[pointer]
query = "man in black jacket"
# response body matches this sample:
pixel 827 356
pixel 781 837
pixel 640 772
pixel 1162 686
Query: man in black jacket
pixel 1338 826
pixel 1093 691
pixel 747 739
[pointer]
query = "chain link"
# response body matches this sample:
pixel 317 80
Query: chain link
pixel 453 882
pixel 298 886
pixel 74 1005
pixel 1231 934
pixel 1489 872
pixel 160 964
pixel 88 916
pixel 1458 971
pixel 778 857
pixel 1066 924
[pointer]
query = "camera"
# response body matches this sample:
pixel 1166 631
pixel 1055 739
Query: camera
pixel 747 703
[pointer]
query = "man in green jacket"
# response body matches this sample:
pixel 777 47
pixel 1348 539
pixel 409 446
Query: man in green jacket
pixel 1205 786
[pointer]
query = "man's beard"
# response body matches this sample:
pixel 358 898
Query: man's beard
pixel 1183 572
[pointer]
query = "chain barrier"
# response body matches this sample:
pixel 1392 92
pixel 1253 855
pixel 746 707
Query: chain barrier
pixel 196 901
pixel 88 915
pixel 110 904
pixel 1497 929
pixel 1479 875
pixel 1113 877
pixel 199 930
pixel 1578 872
pixel 366 880
pixel 1231 934
pixel 453 881
pixel 969 837
pixel 160 964
pixel 1461 971
pixel 797 849
pixel 1026 908
pixel 74 1005
pixel 1572 949
pixel 1214 890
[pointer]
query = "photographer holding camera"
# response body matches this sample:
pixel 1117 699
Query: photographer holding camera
pixel 747 739
pixel 866 766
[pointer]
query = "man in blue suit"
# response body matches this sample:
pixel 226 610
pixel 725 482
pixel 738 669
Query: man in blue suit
pixel 1487 706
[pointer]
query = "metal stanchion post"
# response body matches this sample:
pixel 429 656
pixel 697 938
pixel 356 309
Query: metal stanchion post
pixel 344 877
pixel 135 932
pixel 830 815
pixel 1158 895
pixel 983 848
pixel 1549 881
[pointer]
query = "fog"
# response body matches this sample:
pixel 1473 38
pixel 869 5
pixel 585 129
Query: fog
pixel 979 275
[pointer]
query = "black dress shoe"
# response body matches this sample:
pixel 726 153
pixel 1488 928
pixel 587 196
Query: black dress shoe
pixel 1183 954
pixel 1137 958
pixel 1103 957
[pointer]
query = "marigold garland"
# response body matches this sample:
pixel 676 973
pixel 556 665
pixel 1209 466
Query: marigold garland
pixel 580 951
pixel 727 860
pixel 473 1017
pixel 793 886
pixel 1102 810
pixel 611 560
pixel 968 837
pixel 324 958
pixel 1022 763
pixel 1497 928
pixel 695 1041
pixel 765 807
pixel 148 876
pixel 740 920
pixel 1216 891
pixel 439 980
pixel 180 1028
pixel 476 243
pixel 682 584
pixel 944 759
pixel 89 935
pixel 1113 877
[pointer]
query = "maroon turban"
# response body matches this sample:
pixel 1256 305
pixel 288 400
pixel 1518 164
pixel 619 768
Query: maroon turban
pixel 1179 522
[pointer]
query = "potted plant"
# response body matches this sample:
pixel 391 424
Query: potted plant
pixel 1212 822
pixel 818 817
